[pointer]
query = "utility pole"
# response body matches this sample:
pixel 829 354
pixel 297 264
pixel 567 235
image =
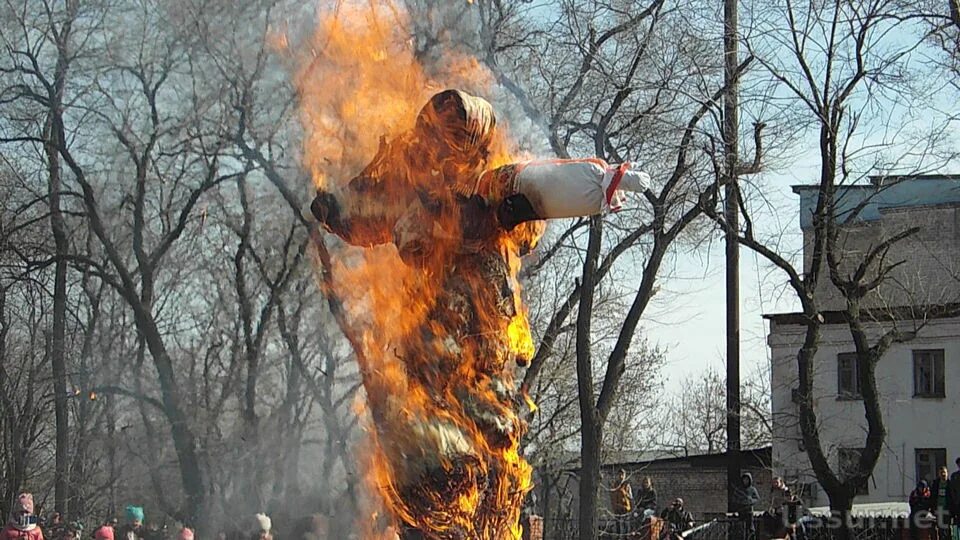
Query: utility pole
pixel 731 58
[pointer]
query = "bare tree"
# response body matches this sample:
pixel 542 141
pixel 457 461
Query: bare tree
pixel 693 420
pixel 26 395
pixel 603 96
pixel 844 79
pixel 942 30
pixel 145 142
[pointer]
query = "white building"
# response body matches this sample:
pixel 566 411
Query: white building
pixel 918 381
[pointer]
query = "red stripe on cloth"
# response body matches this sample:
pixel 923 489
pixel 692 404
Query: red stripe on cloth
pixel 615 181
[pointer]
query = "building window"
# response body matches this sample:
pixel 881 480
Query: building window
pixel 928 461
pixel 848 376
pixel 849 463
pixel 928 373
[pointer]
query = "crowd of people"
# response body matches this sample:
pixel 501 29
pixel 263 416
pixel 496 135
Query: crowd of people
pixel 632 513
pixel 937 507
pixel 780 516
pixel 26 524
pixel 934 508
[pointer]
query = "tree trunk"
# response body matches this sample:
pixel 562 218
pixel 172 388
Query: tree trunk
pixel 112 468
pixel 589 480
pixel 184 441
pixel 841 503
pixel 51 149
pixel 591 431
pixel 58 338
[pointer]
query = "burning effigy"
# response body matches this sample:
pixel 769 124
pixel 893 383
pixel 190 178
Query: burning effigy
pixel 435 209
pixel 445 414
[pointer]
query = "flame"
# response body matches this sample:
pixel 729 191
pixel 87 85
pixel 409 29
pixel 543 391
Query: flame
pixel 531 404
pixel 521 342
pixel 435 311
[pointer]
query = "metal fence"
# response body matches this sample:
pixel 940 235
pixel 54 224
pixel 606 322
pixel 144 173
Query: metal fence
pixel 612 528
pixel 808 528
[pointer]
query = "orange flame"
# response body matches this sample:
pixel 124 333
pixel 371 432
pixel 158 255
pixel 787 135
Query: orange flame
pixel 531 404
pixel 440 330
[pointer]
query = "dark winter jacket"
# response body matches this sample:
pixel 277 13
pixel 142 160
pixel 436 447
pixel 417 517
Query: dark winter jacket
pixel 679 519
pixel 647 499
pixel 128 531
pixel 920 497
pixel 935 496
pixel 746 496
pixel 953 493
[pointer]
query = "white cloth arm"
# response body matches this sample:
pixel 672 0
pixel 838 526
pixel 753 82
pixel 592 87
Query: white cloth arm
pixel 563 188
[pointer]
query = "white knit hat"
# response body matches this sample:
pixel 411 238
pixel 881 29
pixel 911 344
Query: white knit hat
pixel 265 522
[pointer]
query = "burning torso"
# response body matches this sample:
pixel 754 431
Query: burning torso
pixel 443 329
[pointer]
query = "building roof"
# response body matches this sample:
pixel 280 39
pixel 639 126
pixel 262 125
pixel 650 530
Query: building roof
pixel 632 459
pixel 886 314
pixel 882 193
pixel 879 180
pixel 888 180
pixel 757 457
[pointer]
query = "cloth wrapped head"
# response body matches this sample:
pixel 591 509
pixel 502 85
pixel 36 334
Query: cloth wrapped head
pixel 454 132
pixel 458 123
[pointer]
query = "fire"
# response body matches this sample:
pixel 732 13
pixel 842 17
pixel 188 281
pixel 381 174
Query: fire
pixel 531 404
pixel 521 342
pixel 431 293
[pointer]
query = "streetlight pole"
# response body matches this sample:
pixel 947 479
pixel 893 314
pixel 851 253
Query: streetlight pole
pixel 731 213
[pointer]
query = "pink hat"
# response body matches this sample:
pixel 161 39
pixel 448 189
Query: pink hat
pixel 24 503
pixel 104 533
pixel 186 534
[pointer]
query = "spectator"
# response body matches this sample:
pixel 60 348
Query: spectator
pixel 23 522
pixel 941 502
pixel 266 524
pixel 104 532
pixel 679 518
pixel 153 531
pixel 920 497
pixel 953 493
pixel 919 505
pixel 621 495
pixel 133 529
pixel 746 497
pixel 54 526
pixel 71 532
pixel 794 516
pixel 186 533
pixel 647 496
pixel 621 503
pixel 780 496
